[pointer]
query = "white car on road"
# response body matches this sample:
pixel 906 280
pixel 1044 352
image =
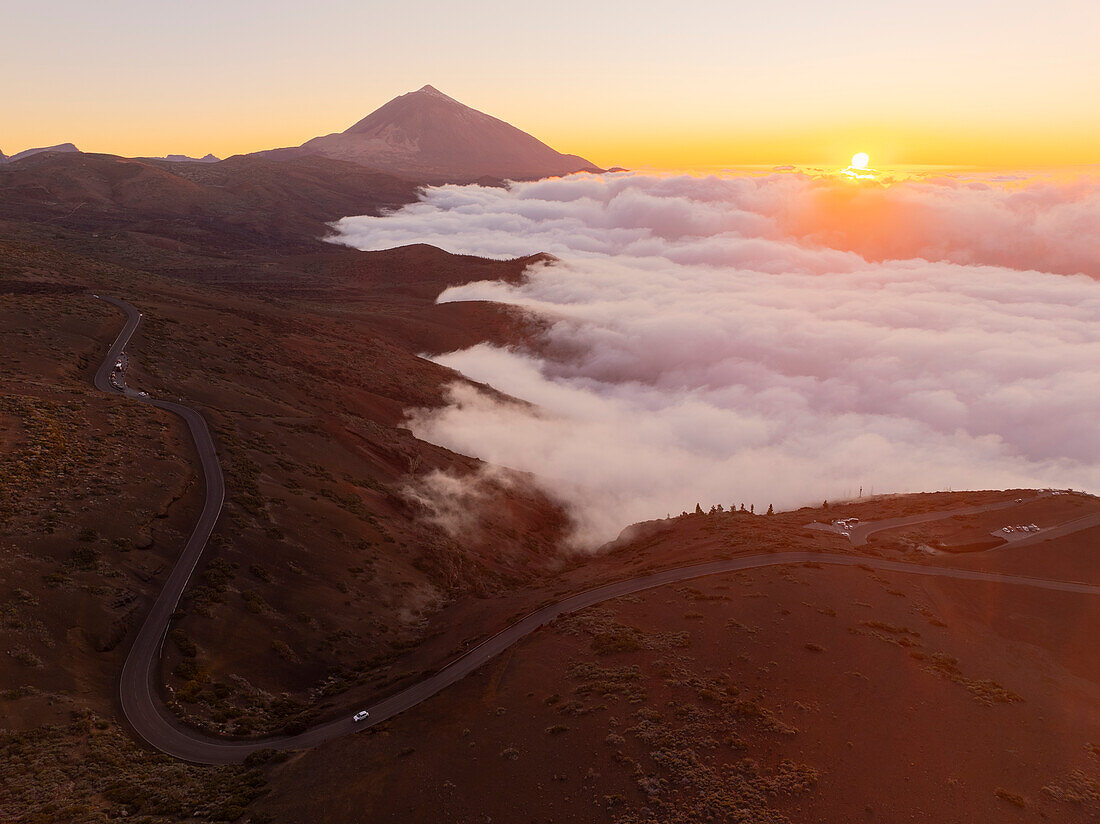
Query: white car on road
pixel 362 715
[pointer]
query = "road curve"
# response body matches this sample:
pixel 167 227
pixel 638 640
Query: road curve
pixel 153 722
pixel 860 534
pixel 138 695
pixel 1059 531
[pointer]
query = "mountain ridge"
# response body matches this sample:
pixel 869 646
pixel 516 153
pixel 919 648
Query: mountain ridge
pixel 60 147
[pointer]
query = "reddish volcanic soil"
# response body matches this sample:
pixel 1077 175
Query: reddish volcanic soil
pixel 966 533
pixel 305 399
pixel 808 694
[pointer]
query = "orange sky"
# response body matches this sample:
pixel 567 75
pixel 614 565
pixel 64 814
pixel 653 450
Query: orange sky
pixel 685 84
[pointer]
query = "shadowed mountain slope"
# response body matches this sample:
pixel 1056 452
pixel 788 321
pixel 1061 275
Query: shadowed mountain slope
pixel 238 203
pixel 426 135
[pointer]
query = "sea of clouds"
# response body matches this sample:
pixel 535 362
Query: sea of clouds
pixel 775 339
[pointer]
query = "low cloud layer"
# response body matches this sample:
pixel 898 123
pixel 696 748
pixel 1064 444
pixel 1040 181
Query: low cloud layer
pixel 776 340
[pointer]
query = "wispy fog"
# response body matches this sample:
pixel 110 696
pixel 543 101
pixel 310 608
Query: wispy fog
pixel 776 340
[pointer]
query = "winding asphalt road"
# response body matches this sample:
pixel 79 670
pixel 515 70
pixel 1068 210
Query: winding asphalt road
pixel 151 720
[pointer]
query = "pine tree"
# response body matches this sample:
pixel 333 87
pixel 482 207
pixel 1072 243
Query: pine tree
pixel 752 509
pixel 698 509
pixel 770 510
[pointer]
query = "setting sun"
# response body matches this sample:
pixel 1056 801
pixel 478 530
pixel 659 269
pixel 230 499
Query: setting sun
pixel 859 168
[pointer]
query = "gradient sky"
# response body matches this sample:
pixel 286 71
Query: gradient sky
pixel 672 84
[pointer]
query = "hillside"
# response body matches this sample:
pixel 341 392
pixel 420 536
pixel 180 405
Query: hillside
pixel 235 204
pixel 806 693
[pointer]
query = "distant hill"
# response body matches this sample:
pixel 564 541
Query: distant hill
pixel 429 137
pixel 60 147
pixel 179 158
pixel 243 202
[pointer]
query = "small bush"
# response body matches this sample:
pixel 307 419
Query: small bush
pixel 606 643
pixel 84 558
pixel 1012 798
pixel 185 645
pixel 25 657
pixel 254 601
